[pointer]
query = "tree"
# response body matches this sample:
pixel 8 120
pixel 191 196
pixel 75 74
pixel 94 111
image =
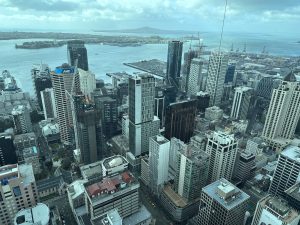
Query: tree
pixel 49 165
pixel 66 164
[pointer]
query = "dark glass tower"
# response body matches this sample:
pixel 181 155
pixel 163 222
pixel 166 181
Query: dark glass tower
pixel 174 63
pixel 88 128
pixel 229 76
pixel 77 50
pixel 180 120
pixel 7 150
pixel 41 79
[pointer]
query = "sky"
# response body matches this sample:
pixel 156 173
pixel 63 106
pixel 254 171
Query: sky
pixel 254 16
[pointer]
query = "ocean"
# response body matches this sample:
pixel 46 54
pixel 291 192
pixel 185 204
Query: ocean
pixel 104 58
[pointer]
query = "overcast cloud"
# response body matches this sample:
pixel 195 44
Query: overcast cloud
pixel 199 15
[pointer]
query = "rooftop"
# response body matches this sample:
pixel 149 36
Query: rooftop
pixel 195 155
pixel 48 183
pixel 137 218
pixel 112 217
pixel 76 188
pixel 280 207
pixel 65 68
pixel 114 161
pixel 91 170
pixel 110 185
pixel 25 137
pixel 160 139
pixel 174 197
pixel 294 191
pixel 225 193
pixel 40 214
pixel 292 152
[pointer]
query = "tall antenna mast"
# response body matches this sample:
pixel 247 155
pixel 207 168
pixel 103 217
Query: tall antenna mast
pixel 224 16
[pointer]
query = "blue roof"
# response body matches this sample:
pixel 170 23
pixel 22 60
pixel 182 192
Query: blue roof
pixel 60 70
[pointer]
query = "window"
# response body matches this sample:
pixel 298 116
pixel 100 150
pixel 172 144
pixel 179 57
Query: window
pixel 17 191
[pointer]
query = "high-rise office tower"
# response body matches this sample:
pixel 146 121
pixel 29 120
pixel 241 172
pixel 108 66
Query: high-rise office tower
pixel 202 101
pixel 222 203
pixel 159 109
pixel 284 111
pixel 176 146
pixel 192 172
pixel 88 130
pixel 87 82
pixel 188 57
pixel 77 52
pixel 287 170
pixel 275 211
pixel 109 114
pixel 41 79
pixel 194 78
pixel 174 63
pixel 222 150
pixel 17 191
pixel 22 119
pixel 7 149
pixel 142 122
pixel 241 103
pixel 180 120
pixel 229 76
pixel 48 102
pixel 216 76
pixel 65 82
pixel 159 148
pixel 245 166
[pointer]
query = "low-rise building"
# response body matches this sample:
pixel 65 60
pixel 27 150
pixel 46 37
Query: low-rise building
pixel 40 214
pixel 114 165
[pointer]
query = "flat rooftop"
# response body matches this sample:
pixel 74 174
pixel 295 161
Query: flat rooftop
pixel 137 218
pixel 225 193
pixel 114 161
pixel 160 139
pixel 278 205
pixel 292 152
pixel 91 170
pixel 174 197
pixel 8 172
pixel 40 214
pixel 195 155
pixel 294 191
pixel 110 185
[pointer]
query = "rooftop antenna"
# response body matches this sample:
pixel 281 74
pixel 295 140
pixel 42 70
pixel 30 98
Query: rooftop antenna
pixel 224 17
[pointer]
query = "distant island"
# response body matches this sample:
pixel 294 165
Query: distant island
pixel 149 30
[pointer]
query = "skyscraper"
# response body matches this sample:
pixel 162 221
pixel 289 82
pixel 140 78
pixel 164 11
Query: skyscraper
pixel 216 76
pixel 230 73
pixel 109 114
pixel 22 119
pixel 202 101
pixel 77 51
pixel 41 79
pixel 88 130
pixel 284 111
pixel 159 109
pixel 17 191
pixel 222 150
pixel 180 120
pixel 275 211
pixel 194 78
pixel 48 102
pixel 7 149
pixel 287 171
pixel 65 82
pixel 245 167
pixel 222 203
pixel 241 103
pixel 174 63
pixel 192 172
pixel 87 82
pixel 159 148
pixel 142 123
pixel 188 57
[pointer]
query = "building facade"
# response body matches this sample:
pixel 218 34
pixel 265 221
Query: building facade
pixel 65 83
pixel 216 76
pixel 180 120
pixel 142 122
pixel 222 150
pixel 17 191
pixel 287 171
pixel 159 148
pixel 174 63
pixel 222 203
pixel 22 121
pixel 241 103
pixel 77 53
pixel 194 78
pixel 48 103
